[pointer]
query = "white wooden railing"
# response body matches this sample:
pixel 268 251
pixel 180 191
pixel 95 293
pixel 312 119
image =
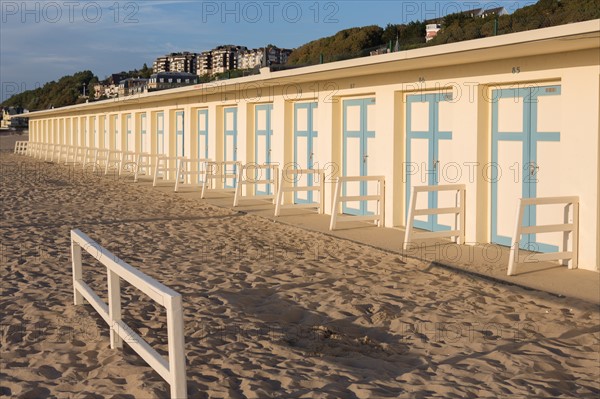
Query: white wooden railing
pixel 339 199
pixel 101 158
pixel 458 234
pixel 188 175
pixel 292 176
pixel 128 162
pixel 218 170
pixel 267 174
pixel 165 168
pixel 143 165
pixel 568 228
pixel 171 370
pixel 114 161
pixel 49 153
pixel 55 157
pixel 21 147
pixel 31 148
pixel 62 155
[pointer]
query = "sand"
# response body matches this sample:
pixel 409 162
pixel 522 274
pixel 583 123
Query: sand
pixel 270 311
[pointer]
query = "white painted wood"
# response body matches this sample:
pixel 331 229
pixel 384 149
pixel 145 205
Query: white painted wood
pixel 286 185
pixel 21 147
pixel 568 228
pixel 166 169
pixel 189 172
pixel 113 161
pixel 244 181
pixel 77 271
pixel 218 170
pixel 458 210
pixel 378 198
pixel 173 370
pixel 128 162
pixel 114 308
pixel 142 165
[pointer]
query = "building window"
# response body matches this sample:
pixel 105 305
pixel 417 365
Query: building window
pixel 170 80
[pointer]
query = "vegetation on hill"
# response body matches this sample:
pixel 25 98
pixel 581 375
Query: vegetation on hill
pixel 68 90
pixel 143 73
pixel 348 43
pixel 543 14
pixel 359 42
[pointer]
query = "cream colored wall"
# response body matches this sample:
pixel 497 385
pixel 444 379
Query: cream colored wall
pixel 577 73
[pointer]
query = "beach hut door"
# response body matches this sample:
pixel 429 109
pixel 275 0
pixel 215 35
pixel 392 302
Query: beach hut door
pixel 230 145
pixel 358 127
pixel 117 132
pixel 130 140
pixel 428 130
pixel 160 133
pixel 179 134
pixel 262 146
pixel 96 137
pixel 525 160
pixel 305 131
pixel 143 132
pixel 202 137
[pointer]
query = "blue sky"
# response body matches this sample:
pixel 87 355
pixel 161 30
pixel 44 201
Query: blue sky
pixel 42 41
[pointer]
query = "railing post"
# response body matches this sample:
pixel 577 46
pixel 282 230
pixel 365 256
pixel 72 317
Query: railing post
pixel 334 206
pixel 514 248
pixel 176 346
pixel 279 196
pixel 382 203
pixel 462 216
pixel 114 308
pixel 409 221
pixel 77 272
pixel 574 263
pixel 238 187
pixel 157 167
pixel 178 174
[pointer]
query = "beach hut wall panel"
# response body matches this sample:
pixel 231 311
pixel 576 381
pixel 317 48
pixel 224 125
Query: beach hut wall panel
pixel 263 134
pixel 129 134
pixel 359 124
pixel 116 133
pixel 178 128
pixel 230 140
pixel 431 154
pixel 160 133
pixel 75 132
pixel 474 71
pixel 202 134
pixel 305 147
pixel 94 129
pixel 64 139
pixel 144 136
pixel 104 128
pixel 84 131
pixel 526 157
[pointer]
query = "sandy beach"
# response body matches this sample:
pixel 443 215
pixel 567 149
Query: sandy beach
pixel 270 311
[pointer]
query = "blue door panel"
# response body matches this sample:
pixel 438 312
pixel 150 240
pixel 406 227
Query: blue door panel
pixel 433 135
pixel 528 136
pixel 363 134
pixel 304 161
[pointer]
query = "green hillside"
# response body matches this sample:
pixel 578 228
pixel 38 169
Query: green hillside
pixel 353 43
pixel 67 91
pixel 543 14
pixel 358 42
